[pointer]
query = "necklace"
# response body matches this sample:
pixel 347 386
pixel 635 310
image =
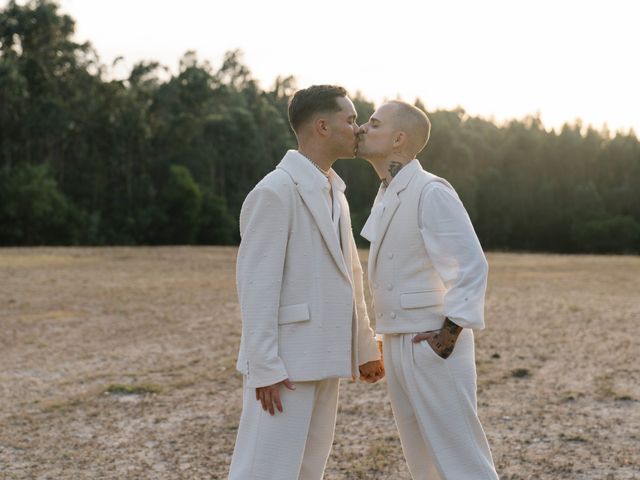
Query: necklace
pixel 324 172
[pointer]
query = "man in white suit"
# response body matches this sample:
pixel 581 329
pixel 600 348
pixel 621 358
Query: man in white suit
pixel 299 280
pixel 428 276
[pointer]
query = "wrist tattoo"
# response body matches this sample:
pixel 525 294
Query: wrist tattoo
pixel 446 352
pixel 451 327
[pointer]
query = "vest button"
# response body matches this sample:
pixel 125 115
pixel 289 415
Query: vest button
pixel 390 256
pixel 379 314
pixel 393 315
pixel 389 287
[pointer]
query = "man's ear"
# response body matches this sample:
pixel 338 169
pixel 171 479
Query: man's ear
pixel 399 139
pixel 321 126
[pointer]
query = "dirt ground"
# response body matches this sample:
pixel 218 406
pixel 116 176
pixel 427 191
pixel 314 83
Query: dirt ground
pixel 118 363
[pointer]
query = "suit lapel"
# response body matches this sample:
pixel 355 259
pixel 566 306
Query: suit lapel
pixel 345 232
pixel 391 204
pixel 317 207
pixel 293 164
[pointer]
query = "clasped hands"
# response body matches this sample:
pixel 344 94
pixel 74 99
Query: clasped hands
pixel 372 371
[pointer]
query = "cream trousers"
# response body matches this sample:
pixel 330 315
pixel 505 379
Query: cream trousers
pixel 292 445
pixel 434 405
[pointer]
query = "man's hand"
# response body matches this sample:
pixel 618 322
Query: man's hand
pixel 372 371
pixel 441 341
pixel 270 395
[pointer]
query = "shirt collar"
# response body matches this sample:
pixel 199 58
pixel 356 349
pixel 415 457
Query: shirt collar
pixel 319 179
pixel 336 182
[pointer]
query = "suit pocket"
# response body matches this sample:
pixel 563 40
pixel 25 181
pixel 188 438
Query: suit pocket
pixel 428 298
pixel 293 313
pixel 431 351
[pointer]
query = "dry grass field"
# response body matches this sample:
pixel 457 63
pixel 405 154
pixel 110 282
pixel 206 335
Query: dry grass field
pixel 118 363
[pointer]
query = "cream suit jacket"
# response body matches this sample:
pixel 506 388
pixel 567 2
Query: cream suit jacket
pixel 300 287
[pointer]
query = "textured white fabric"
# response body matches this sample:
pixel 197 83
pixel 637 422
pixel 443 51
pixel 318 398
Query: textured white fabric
pixel 300 285
pixel 371 225
pixel 434 405
pixel 335 184
pixel 292 445
pixel 453 247
pixel 328 185
pixel 425 260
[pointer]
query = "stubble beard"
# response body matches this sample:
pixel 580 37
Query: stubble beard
pixel 360 149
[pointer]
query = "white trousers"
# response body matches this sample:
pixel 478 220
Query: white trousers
pixel 434 405
pixel 292 445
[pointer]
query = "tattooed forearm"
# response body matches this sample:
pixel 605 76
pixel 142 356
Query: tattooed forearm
pixel 451 327
pixel 446 340
pixel 445 352
pixel 394 168
pixel 443 341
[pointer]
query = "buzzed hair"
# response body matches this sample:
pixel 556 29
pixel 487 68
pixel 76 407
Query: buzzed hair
pixel 411 117
pixel 315 99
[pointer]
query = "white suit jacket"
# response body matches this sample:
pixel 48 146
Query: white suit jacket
pixel 301 295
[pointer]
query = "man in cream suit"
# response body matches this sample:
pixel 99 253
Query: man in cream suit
pixel 299 279
pixel 428 276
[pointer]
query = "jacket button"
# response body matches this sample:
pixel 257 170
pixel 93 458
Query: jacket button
pixel 390 256
pixel 379 314
pixel 389 287
pixel 393 315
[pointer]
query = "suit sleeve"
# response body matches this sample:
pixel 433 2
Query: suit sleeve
pixel 264 228
pixel 454 249
pixel 367 345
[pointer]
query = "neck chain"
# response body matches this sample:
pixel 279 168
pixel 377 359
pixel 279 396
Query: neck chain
pixel 324 172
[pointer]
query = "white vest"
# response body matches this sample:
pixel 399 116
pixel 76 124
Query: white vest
pixel 408 294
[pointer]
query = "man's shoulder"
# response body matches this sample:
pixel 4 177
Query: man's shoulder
pixel 276 186
pixel 277 181
pixel 429 177
pixel 430 182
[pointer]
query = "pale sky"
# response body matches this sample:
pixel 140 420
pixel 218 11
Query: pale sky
pixel 495 58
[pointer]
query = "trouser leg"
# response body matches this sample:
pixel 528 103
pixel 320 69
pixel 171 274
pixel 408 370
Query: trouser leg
pixel 416 452
pixel 321 430
pixel 443 394
pixel 272 447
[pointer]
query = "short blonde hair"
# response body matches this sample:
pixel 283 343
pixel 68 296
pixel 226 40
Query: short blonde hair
pixel 415 123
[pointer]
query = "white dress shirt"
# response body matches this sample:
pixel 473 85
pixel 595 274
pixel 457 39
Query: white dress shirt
pixel 334 182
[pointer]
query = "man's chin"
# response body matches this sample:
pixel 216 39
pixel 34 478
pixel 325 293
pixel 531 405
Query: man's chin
pixel 361 154
pixel 351 155
pixel 355 153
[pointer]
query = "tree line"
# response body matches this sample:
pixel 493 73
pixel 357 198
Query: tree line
pixel 161 158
